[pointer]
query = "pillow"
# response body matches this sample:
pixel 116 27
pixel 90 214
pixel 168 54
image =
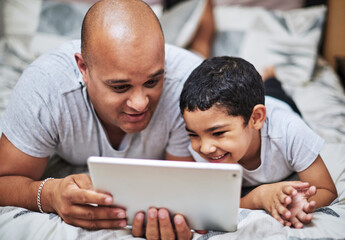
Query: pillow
pixel 268 4
pixel 181 22
pixel 52 31
pixel 286 39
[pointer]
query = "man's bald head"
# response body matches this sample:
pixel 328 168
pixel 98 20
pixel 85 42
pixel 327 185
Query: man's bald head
pixel 118 21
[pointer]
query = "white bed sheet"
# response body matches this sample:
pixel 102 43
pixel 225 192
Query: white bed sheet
pixel 322 103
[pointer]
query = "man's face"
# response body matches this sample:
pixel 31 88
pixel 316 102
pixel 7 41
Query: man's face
pixel 125 84
pixel 219 137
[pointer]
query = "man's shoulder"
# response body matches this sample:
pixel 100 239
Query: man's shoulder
pixel 55 69
pixel 60 56
pixel 180 62
pixel 173 52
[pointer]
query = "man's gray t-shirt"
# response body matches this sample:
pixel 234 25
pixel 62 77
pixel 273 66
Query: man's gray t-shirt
pixel 50 111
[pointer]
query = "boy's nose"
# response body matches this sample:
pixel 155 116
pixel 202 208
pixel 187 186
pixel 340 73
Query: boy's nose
pixel 207 147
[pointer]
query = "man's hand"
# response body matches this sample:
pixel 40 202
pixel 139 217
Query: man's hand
pixel 159 226
pixel 74 199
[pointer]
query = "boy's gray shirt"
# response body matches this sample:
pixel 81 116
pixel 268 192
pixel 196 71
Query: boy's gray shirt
pixel 49 111
pixel 287 145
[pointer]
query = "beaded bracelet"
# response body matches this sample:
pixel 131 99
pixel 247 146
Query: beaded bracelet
pixel 39 194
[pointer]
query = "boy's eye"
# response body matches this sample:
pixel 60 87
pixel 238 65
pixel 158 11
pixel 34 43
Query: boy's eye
pixel 218 133
pixel 151 83
pixel 121 88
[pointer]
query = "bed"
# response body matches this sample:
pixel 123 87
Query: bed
pixel 288 39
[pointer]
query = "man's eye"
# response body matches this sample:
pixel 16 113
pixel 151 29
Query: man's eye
pixel 151 83
pixel 218 133
pixel 192 135
pixel 121 88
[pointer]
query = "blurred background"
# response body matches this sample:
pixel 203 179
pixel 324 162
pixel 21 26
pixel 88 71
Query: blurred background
pixel 294 36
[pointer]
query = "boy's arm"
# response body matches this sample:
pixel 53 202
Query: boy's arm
pixel 273 198
pixel 321 193
pixel 276 197
pixel 317 175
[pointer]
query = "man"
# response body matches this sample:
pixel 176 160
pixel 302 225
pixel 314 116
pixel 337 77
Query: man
pixel 118 97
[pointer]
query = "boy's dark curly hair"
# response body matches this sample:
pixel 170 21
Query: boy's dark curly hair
pixel 225 81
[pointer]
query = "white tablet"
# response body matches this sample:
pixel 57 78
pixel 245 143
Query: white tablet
pixel 207 194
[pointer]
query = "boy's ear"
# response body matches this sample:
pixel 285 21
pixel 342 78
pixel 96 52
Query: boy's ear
pixel 258 116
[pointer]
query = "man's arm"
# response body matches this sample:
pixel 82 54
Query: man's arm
pixel 70 197
pixel 18 174
pixel 168 156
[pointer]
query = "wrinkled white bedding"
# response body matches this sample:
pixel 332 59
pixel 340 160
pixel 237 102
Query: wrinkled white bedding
pixel 322 103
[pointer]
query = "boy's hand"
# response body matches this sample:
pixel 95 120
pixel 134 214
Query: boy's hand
pixel 300 208
pixel 276 197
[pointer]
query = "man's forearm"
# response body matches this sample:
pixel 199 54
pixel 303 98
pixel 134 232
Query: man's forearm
pixel 19 191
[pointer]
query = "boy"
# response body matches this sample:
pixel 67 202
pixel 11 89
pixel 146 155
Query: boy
pixel 229 120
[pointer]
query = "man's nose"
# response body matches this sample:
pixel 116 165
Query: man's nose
pixel 138 101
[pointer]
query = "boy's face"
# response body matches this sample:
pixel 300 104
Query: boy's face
pixel 221 138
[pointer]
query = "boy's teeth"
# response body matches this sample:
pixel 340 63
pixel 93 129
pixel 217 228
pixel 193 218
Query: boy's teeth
pixel 215 158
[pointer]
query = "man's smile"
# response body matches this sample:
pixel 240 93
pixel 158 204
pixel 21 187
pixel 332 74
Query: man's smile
pixel 136 117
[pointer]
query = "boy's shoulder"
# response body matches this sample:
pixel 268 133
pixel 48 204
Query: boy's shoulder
pixel 280 119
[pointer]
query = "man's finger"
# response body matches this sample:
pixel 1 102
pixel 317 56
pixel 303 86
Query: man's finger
pixel 94 213
pixel 138 226
pixel 182 230
pixel 83 181
pixel 152 228
pixel 97 224
pixel 83 196
pixel 165 226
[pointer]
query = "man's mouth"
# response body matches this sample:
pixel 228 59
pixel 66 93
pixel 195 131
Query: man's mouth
pixel 136 117
pixel 217 159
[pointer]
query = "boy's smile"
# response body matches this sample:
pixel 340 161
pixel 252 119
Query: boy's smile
pixel 221 138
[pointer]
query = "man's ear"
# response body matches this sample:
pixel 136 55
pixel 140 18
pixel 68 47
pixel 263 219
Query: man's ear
pixel 81 65
pixel 258 116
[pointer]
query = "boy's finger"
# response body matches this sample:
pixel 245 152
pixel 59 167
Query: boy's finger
pixel 283 211
pixel 296 223
pixel 277 216
pixel 284 199
pixel 309 207
pixel 289 190
pixel 310 192
pixel 300 185
pixel 304 218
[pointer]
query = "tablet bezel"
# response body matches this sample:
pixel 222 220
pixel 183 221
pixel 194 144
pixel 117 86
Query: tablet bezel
pixel 211 192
